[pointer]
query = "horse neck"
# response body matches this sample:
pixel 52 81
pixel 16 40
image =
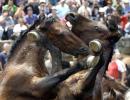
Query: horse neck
pixel 31 55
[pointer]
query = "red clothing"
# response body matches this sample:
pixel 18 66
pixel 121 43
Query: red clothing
pixel 113 70
pixel 124 20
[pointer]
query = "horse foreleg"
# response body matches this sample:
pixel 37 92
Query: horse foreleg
pixel 56 60
pixel 55 54
pixel 97 91
pixel 48 83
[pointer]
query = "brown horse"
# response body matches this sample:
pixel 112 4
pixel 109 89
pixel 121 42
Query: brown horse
pixel 51 26
pixel 61 38
pixel 113 90
pixel 25 76
pixel 87 30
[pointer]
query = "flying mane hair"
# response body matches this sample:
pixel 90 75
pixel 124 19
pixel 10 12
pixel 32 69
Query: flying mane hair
pixel 20 38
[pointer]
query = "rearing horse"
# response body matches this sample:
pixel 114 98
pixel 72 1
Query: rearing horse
pixel 25 76
pixel 87 30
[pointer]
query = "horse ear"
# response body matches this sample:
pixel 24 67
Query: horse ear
pixel 70 16
pixel 33 36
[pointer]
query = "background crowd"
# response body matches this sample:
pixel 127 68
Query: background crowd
pixel 17 15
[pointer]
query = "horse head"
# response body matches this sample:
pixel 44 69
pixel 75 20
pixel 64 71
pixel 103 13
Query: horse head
pixel 87 30
pixel 60 36
pixel 94 29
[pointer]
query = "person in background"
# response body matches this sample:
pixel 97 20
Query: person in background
pixel 48 9
pixel 11 7
pixel 109 8
pixel 3 55
pixel 35 5
pixel 53 2
pixel 101 15
pixel 95 12
pixel 119 7
pixel 30 17
pixel 127 27
pixel 20 27
pixel 7 24
pixel 62 9
pixel 102 3
pixel 117 69
pixel 84 9
pixel 20 11
pixel 42 5
pixel 126 6
pixel 73 6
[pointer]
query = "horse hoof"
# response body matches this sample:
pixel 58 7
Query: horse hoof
pixel 33 36
pixel 95 46
pixel 92 61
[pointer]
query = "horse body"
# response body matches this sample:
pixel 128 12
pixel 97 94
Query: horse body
pixel 25 76
pixel 23 66
pixel 87 30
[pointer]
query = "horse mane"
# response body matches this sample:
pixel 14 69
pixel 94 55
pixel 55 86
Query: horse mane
pixel 20 39
pixel 83 18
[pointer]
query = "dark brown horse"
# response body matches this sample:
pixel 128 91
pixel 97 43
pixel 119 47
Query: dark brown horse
pixel 87 30
pixel 25 76
pixel 50 26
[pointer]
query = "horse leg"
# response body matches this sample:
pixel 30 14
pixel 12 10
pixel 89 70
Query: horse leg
pixel 97 87
pixel 89 82
pixel 49 82
pixel 55 54
pixel 97 93
pixel 56 60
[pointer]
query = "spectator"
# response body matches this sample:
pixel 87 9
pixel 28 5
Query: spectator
pixel 126 6
pixel 35 5
pixel 48 9
pixel 11 7
pixel 119 8
pixel 84 9
pixel 53 2
pixel 117 69
pixel 30 17
pixel 72 5
pixel 8 24
pixel 127 26
pixel 42 6
pixel 102 3
pixel 109 8
pixel 62 9
pixel 20 27
pixel 95 12
pixel 3 55
pixel 101 15
pixel 20 11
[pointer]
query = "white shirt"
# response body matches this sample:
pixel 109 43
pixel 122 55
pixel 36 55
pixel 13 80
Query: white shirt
pixel 85 11
pixel 127 27
pixel 121 66
pixel 18 28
